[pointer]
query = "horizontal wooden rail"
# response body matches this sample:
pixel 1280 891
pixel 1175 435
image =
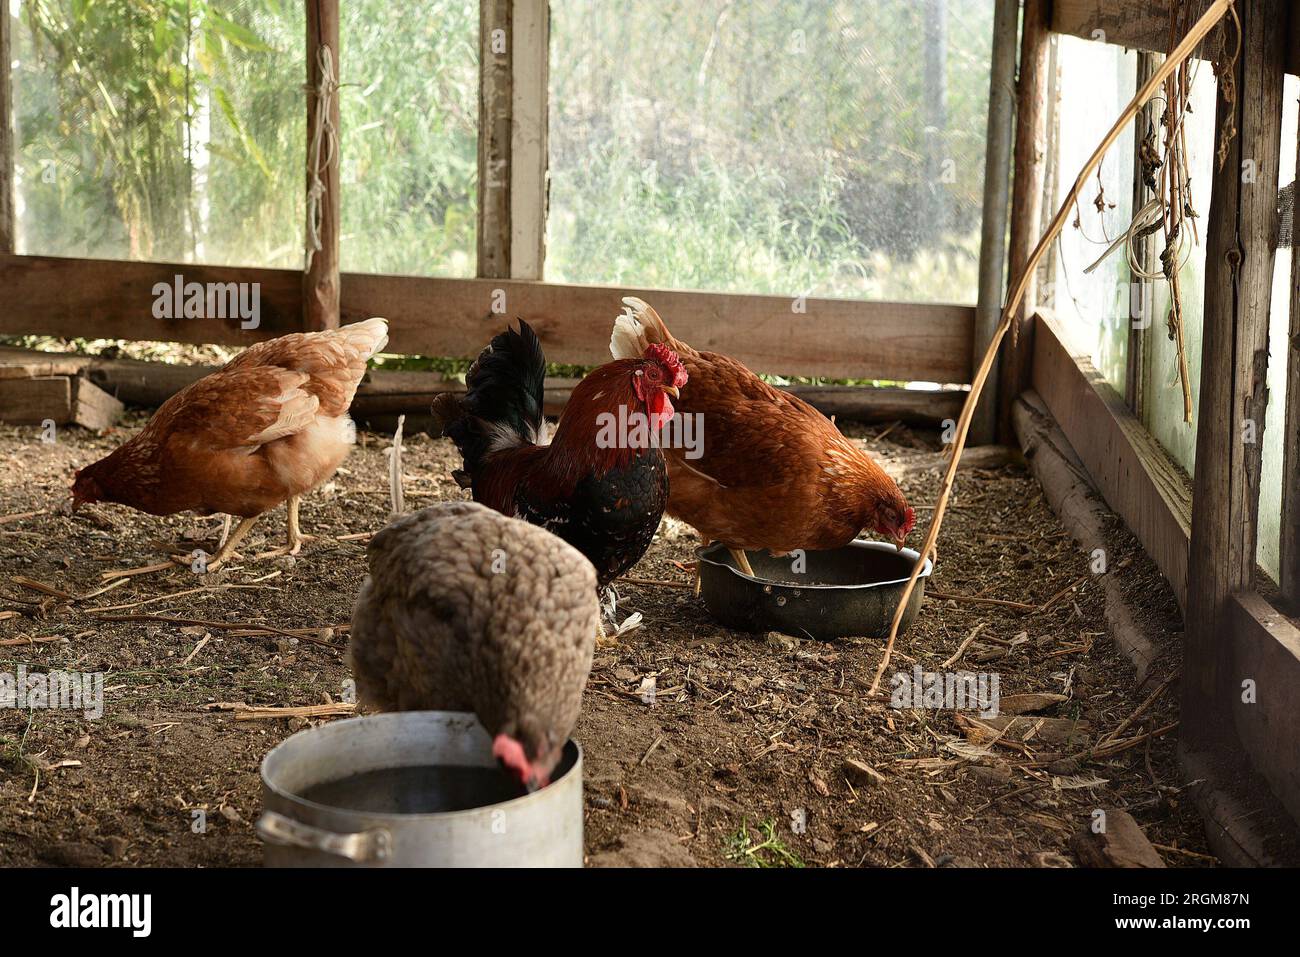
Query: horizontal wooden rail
pixel 837 338
pixel 1132 471
pixel 394 392
pixel 1144 25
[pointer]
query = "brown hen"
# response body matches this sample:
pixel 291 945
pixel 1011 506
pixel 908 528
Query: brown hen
pixel 774 472
pixel 269 426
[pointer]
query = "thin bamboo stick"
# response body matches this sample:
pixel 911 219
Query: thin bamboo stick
pixel 1204 25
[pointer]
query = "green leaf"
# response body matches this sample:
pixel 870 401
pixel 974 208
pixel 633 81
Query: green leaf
pixel 236 33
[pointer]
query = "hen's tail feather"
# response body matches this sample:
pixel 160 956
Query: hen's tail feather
pixel 502 404
pixel 637 329
pixel 369 337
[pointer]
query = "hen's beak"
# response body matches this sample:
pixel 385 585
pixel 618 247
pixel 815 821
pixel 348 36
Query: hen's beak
pixel 898 544
pixel 673 391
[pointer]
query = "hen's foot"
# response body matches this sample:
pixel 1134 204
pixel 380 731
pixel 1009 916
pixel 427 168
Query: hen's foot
pixel 603 638
pixel 227 551
pixel 742 561
pixel 296 537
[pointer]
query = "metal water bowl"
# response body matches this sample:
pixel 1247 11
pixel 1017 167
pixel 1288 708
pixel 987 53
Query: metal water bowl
pixel 413 789
pixel 846 591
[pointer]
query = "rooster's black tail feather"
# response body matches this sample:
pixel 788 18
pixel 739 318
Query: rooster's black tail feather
pixel 502 404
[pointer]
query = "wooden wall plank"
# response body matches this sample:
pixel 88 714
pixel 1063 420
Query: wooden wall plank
pixel 1240 234
pixel 1134 474
pixel 530 96
pixel 320 283
pixel 831 337
pixel 495 103
pixel 456 317
pixel 1029 164
pixel 7 143
pixel 100 298
pixel 1266 651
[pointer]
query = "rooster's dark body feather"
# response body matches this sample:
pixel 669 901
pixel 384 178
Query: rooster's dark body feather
pixel 605 502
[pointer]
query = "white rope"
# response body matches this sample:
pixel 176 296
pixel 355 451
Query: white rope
pixel 324 136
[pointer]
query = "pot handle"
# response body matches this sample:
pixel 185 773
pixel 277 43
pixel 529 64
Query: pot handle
pixel 361 846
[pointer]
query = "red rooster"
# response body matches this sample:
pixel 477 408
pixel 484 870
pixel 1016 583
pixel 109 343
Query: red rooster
pixel 601 492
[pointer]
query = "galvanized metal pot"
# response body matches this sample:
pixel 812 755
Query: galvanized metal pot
pixel 843 591
pixel 542 829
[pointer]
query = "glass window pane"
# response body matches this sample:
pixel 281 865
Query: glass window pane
pixel 1097 81
pixel 165 130
pixel 1270 491
pixel 1162 394
pixel 816 147
pixel 409 164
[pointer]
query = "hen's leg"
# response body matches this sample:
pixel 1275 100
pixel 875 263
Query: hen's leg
pixel 237 536
pixel 603 640
pixel 695 590
pixel 295 534
pixel 296 537
pixel 742 560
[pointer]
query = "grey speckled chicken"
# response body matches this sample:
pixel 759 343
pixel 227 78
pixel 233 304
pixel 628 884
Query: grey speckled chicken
pixel 467 610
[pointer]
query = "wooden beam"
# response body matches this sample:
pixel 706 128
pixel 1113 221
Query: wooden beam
pixel 1240 231
pixel 1144 25
pixel 1026 204
pixel 99 298
pixel 7 144
pixel 1144 250
pixel 60 399
pixel 1266 652
pixel 385 392
pixel 1134 474
pixel 837 338
pixel 993 230
pixel 321 282
pixel 530 97
pixel 495 106
pixel 1290 532
pixel 834 338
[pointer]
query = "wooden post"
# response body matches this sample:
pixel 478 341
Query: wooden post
pixel 6 136
pixel 1145 249
pixel 1026 205
pixel 1234 363
pixel 993 231
pixel 321 280
pixel 530 95
pixel 495 106
pixel 934 108
pixel 1290 544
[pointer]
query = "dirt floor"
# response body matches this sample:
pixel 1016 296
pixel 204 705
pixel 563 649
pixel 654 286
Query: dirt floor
pixel 745 757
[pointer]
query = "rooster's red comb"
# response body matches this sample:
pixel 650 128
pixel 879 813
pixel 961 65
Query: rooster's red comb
pixel 661 354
